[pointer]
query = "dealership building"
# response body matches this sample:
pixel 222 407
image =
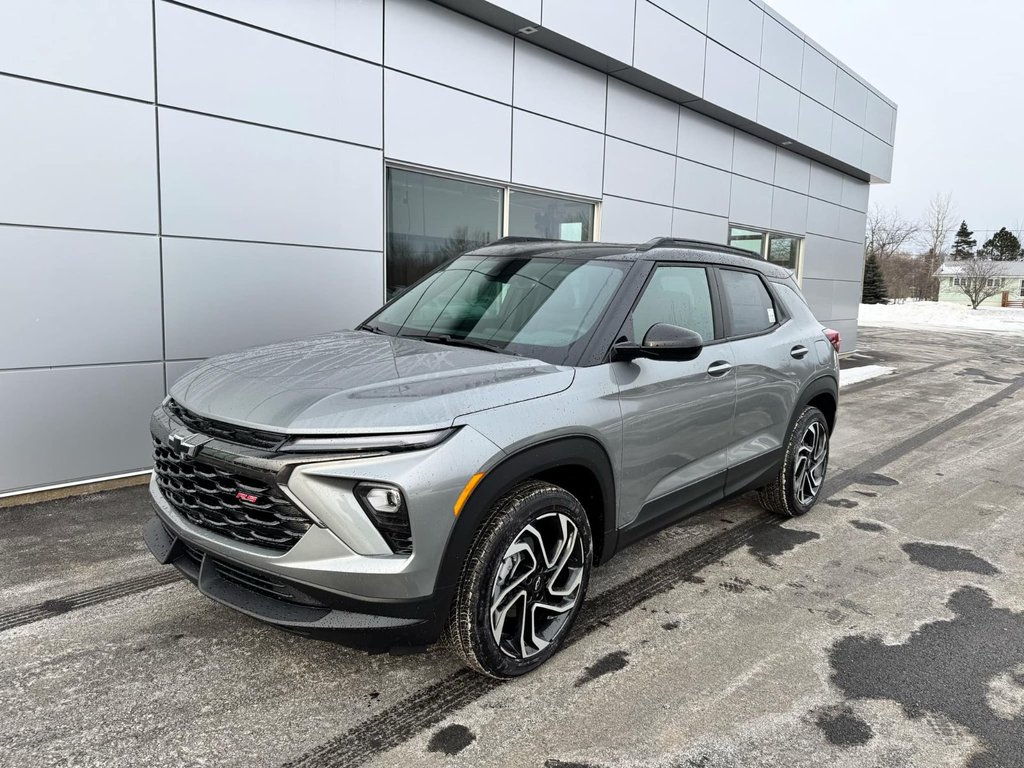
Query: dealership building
pixel 183 179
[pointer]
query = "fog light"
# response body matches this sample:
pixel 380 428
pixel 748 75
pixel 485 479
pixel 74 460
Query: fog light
pixel 385 506
pixel 383 498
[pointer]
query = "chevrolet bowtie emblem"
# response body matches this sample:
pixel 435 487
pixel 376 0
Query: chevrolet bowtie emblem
pixel 182 446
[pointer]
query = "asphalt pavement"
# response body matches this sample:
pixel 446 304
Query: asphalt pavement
pixel 885 628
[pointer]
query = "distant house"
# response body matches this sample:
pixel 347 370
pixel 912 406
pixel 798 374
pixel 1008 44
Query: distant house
pixel 1009 274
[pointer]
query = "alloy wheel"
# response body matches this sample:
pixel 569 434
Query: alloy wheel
pixel 537 585
pixel 810 463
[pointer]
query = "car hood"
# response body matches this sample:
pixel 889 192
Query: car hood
pixel 354 382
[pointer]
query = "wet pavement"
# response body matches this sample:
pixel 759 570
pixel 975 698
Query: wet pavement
pixel 885 628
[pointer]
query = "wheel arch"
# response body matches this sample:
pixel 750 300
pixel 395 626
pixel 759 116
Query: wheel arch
pixel 823 394
pixel 578 464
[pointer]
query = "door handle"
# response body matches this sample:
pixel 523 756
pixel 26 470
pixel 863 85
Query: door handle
pixel 719 368
pixel 799 351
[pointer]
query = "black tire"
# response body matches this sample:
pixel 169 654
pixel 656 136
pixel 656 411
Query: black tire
pixel 787 494
pixel 487 574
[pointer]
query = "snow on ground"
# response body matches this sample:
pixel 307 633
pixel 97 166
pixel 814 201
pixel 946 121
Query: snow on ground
pixel 942 314
pixel 849 376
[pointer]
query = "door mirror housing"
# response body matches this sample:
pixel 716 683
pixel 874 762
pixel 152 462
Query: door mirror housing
pixel 662 342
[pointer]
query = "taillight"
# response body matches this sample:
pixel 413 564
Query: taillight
pixel 833 337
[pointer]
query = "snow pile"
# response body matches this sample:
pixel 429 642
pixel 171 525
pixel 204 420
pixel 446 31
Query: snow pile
pixel 849 376
pixel 942 314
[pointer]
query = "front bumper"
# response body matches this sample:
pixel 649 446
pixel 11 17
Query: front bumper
pixel 299 607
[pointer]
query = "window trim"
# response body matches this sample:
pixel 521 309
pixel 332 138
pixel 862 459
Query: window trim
pixel 781 317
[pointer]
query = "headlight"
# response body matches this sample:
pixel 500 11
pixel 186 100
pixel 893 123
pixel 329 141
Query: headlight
pixel 409 441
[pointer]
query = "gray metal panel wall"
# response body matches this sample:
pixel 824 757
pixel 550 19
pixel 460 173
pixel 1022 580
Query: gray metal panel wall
pixel 737 60
pixel 159 205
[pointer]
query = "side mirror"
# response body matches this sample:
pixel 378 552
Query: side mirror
pixel 662 342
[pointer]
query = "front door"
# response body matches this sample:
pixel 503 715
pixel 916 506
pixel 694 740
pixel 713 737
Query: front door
pixel 676 416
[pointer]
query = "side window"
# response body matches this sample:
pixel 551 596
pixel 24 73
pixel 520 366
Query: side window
pixel 678 296
pixel 747 302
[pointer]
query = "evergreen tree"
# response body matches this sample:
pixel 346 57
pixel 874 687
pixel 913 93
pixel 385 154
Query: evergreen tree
pixel 874 291
pixel 964 243
pixel 1002 246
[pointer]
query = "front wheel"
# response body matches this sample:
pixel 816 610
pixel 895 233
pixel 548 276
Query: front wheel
pixel 802 474
pixel 523 583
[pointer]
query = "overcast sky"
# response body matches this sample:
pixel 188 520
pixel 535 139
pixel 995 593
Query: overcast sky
pixel 955 69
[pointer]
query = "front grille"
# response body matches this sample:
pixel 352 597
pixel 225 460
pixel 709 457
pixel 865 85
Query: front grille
pixel 208 497
pixel 232 433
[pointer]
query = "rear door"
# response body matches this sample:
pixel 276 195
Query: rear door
pixel 676 416
pixel 773 358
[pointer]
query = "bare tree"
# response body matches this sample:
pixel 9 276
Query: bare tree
pixel 936 230
pixel 979 279
pixel 938 225
pixel 888 232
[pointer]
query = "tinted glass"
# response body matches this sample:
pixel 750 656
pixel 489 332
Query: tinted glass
pixel 677 296
pixel 532 215
pixel 432 219
pixel 747 239
pixel 536 307
pixel 747 302
pixel 784 251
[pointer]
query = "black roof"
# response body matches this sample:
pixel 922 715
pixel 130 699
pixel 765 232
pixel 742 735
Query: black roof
pixel 658 249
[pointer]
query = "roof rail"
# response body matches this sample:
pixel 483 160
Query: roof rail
pixel 682 242
pixel 511 239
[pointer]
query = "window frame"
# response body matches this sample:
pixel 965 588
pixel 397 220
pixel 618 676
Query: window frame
pixel 506 189
pixel 782 316
pixel 766 245
pixel 716 312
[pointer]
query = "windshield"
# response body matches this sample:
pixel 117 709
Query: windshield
pixel 537 307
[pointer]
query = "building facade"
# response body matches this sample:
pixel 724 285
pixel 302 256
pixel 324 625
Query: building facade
pixel 181 179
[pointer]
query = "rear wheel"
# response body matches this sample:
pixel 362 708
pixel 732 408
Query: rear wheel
pixel 802 474
pixel 523 583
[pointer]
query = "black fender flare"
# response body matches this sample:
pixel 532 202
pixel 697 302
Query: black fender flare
pixel 516 468
pixel 822 385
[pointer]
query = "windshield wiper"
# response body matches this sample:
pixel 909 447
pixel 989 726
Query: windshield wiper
pixel 444 338
pixel 371 329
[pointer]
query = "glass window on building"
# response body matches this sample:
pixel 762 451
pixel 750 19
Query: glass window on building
pixel 784 251
pixel 432 219
pixel 531 215
pixel 748 240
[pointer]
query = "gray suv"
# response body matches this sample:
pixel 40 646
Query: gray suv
pixel 457 465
